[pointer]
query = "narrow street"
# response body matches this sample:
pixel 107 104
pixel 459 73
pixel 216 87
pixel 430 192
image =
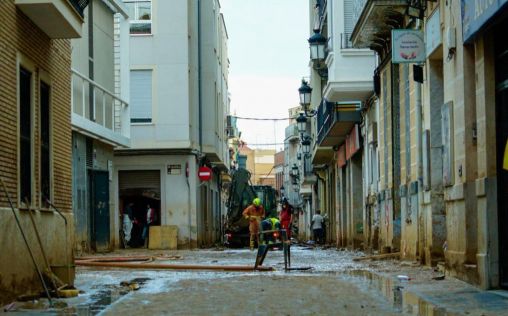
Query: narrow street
pixel 336 285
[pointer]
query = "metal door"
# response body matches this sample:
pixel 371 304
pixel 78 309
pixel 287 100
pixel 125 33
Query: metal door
pixel 100 210
pixel 502 148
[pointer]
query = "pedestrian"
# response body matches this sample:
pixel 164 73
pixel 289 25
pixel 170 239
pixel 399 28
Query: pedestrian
pixel 317 227
pixel 150 217
pixel 128 219
pixel 286 216
pixel 254 213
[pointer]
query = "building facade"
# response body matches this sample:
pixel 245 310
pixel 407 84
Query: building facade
pixel 260 163
pixel 278 170
pixel 100 121
pixel 427 144
pixel 35 156
pixel 179 102
pixel 341 82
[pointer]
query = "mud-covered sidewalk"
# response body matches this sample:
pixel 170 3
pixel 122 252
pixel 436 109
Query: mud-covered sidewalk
pixel 336 285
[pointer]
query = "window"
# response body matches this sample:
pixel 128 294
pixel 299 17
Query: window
pixel 141 96
pixel 45 180
pixel 25 135
pixel 140 13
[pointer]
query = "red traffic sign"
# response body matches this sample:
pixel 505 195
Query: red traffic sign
pixel 204 173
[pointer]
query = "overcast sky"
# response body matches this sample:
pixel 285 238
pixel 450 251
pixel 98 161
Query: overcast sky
pixel 269 55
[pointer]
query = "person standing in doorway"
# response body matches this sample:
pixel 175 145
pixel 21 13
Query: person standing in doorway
pixel 254 213
pixel 128 218
pixel 317 227
pixel 150 217
pixel 286 217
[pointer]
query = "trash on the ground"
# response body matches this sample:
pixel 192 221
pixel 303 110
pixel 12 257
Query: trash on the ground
pixel 28 297
pixel 402 277
pixel 66 293
pixel 9 307
pixel 379 257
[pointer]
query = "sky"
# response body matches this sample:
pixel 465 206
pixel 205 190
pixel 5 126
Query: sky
pixel 269 55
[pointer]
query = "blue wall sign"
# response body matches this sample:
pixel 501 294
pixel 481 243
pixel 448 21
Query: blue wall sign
pixel 475 13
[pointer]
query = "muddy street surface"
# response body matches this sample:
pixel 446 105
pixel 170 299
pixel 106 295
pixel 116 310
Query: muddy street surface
pixel 336 285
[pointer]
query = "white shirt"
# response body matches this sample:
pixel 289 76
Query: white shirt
pixel 318 221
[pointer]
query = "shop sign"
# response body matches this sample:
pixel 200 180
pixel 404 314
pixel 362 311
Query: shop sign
pixel 408 46
pixel 341 156
pixel 352 142
pixel 475 13
pixel 174 169
pixel 433 32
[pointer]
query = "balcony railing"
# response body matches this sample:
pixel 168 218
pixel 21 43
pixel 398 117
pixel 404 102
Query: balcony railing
pixel 80 6
pixel 324 119
pixel 96 104
pixel 291 132
pixel 335 120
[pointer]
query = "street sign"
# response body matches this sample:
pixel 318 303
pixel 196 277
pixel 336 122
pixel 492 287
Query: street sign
pixel 204 173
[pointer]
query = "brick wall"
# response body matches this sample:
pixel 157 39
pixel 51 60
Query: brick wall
pixel 18 35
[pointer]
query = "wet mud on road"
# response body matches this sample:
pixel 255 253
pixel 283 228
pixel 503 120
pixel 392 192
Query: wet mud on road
pixel 336 285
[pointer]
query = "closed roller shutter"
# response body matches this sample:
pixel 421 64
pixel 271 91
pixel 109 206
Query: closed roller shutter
pixel 140 179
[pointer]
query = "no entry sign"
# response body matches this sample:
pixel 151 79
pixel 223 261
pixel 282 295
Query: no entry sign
pixel 204 173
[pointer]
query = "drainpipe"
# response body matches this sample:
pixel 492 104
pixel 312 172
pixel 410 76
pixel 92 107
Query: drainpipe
pixel 200 97
pixel 419 162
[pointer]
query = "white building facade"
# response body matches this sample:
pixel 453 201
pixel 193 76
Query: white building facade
pixel 179 101
pixel 100 121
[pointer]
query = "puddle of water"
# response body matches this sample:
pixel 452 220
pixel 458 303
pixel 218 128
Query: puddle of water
pixel 105 296
pixel 394 291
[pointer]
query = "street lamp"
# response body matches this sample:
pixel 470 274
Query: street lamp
pixel 306 145
pixel 317 43
pixel 301 122
pixel 295 186
pixel 294 170
pixel 305 93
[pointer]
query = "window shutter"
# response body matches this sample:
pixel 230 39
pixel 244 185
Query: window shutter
pixel 348 20
pixel 141 96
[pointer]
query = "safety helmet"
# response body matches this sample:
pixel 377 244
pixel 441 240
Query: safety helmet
pixel 256 202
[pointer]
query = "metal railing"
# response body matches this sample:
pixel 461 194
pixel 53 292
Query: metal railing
pixel 322 8
pixel 80 6
pixel 331 112
pixel 324 119
pixel 291 131
pixel 97 104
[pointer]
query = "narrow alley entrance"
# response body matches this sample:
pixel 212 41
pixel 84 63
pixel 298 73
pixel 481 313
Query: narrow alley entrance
pixel 143 189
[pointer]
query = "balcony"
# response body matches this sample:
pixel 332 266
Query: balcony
pixel 98 113
pixel 335 121
pixel 57 18
pixel 374 25
pixel 292 134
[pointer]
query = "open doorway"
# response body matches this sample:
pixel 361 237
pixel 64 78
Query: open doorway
pixel 141 188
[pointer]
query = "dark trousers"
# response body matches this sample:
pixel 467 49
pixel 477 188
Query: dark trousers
pixel 318 235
